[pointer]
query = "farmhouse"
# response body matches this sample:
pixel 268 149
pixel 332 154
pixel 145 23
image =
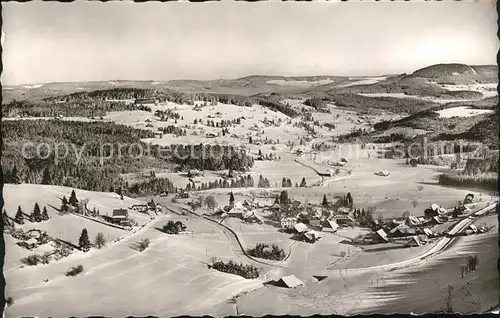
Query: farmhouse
pixel 288 223
pixel 119 216
pixel 342 219
pixel 139 207
pixel 380 236
pixel 401 231
pixel 158 134
pixel 429 233
pixel 311 236
pixel 300 227
pixel 29 244
pixel 383 173
pixel 252 217
pixel 315 222
pixel 330 224
pixel 289 282
pixel 236 213
pixel 34 233
pixel 413 242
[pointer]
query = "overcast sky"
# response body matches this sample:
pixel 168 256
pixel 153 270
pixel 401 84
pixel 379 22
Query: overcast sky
pixel 59 42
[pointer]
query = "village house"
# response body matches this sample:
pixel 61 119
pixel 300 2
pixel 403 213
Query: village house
pixel 402 231
pixel 139 207
pixel 380 237
pixel 237 211
pixel 29 244
pixel 414 241
pixel 158 134
pixel 330 225
pixel 288 223
pixel 120 216
pixel 343 220
pixel 288 282
pixel 311 236
pixel 315 222
pixel 301 228
pixel 252 217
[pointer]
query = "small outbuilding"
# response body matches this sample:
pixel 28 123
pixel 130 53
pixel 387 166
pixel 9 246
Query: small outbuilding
pixel 414 241
pixel 289 282
pixel 301 227
pixel 380 236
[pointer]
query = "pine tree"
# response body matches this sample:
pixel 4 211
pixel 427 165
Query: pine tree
pixel 64 205
pixel 72 199
pixel 277 200
pixel 5 218
pixel 303 183
pixel 45 214
pixel 14 176
pixel 19 218
pixel 231 199
pixel 46 178
pixel 37 214
pixel 84 241
pixel 325 201
pixel 284 197
pixel 350 202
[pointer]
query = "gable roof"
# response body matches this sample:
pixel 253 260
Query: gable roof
pixel 428 232
pixel 403 229
pixel 414 240
pixel 434 207
pixel 300 227
pixel 32 241
pixel 238 205
pixel 313 235
pixel 291 281
pixel 382 234
pixel 341 217
pixel 333 224
pixel 120 212
pixel 235 211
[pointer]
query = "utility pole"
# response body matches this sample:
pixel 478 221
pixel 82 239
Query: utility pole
pixel 448 302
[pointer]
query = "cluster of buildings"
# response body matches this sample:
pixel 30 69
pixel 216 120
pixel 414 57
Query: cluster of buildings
pixel 244 211
pixel 417 229
pixel 33 238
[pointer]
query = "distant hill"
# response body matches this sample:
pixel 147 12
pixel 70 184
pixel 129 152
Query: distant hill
pixel 459 73
pixel 423 82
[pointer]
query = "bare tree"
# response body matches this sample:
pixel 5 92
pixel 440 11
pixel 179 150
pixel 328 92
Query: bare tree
pixel 414 202
pixel 100 240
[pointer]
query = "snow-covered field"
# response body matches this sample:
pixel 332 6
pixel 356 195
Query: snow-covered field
pixel 462 111
pixel 363 81
pixel 66 227
pixel 300 83
pixel 119 280
pixel 33 86
pixel 488 90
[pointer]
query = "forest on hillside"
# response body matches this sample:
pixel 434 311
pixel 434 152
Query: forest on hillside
pixel 98 103
pixel 92 156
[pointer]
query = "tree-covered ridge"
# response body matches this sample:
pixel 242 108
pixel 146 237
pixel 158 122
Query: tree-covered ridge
pixel 210 157
pixel 92 156
pixel 97 103
pixel 80 155
pixel 52 108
